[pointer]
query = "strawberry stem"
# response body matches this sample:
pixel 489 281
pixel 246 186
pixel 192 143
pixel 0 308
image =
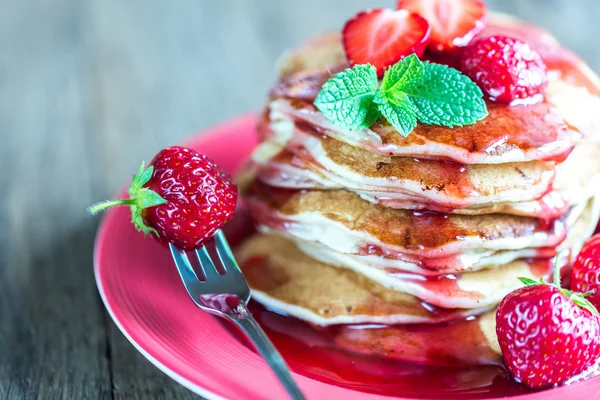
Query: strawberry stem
pixel 139 199
pixel 103 205
pixel 557 271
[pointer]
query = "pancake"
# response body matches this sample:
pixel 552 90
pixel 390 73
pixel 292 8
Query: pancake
pixel 435 181
pixel 285 279
pixel 459 343
pixel 484 287
pixel 465 263
pixel 579 228
pixel 317 54
pixel 574 183
pixel 471 290
pixel 547 130
pixel 507 134
pixel 344 222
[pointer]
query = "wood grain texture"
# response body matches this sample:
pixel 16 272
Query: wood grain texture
pixel 52 329
pixel 88 88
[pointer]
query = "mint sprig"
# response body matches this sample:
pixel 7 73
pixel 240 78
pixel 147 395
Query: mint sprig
pixel 446 97
pixel 347 98
pixel 398 110
pixel 410 91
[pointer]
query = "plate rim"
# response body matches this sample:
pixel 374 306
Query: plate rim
pixel 207 394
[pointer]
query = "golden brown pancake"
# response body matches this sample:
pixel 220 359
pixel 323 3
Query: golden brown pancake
pixel 344 222
pixel 469 290
pixel 484 287
pixel 477 261
pixel 507 134
pixel 543 131
pixel 444 185
pixel 579 228
pixel 472 290
pixel 287 280
pixel 575 181
pixel 316 54
pixel 466 342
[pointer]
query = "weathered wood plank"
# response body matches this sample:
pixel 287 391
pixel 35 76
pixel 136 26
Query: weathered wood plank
pixel 52 329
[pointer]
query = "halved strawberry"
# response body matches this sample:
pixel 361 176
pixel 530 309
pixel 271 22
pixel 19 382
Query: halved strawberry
pixel 454 23
pixel 382 37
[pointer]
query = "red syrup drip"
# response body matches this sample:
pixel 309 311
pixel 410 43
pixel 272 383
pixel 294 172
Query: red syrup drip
pixel 528 127
pixel 326 356
pixel 429 173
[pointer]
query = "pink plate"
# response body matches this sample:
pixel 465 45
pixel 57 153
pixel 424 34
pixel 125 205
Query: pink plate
pixel 143 294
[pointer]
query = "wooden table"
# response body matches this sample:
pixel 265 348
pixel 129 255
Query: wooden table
pixel 88 89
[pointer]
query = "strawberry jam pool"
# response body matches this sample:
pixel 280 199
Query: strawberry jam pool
pixel 450 360
pixel 429 361
pixel 325 355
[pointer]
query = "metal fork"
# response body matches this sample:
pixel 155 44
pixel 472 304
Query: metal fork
pixel 227 296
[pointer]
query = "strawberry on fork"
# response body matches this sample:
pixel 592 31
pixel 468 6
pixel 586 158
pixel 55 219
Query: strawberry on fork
pixel 182 198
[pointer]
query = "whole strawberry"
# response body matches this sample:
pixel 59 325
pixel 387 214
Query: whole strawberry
pixel 547 334
pixel 585 276
pixel 183 198
pixel 507 69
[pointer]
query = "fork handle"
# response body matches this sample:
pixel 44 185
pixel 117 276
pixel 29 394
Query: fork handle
pixel 269 353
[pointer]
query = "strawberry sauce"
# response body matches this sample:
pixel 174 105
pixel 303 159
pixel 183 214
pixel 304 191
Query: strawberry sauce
pixel 514 133
pixel 448 361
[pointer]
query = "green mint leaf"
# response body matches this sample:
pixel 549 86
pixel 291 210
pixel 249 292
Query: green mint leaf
pixel 529 281
pixel 347 98
pixel 403 75
pixel 584 303
pixel 372 115
pixel 398 110
pixel 446 97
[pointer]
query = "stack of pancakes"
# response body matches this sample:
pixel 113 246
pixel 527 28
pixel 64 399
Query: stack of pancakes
pixel 369 227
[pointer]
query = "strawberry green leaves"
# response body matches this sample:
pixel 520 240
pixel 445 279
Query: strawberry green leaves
pixel 577 298
pixel 581 301
pixel 410 91
pixel 530 282
pixel 140 198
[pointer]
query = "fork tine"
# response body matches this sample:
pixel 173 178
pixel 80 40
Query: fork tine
pixel 186 272
pixel 209 268
pixel 224 251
